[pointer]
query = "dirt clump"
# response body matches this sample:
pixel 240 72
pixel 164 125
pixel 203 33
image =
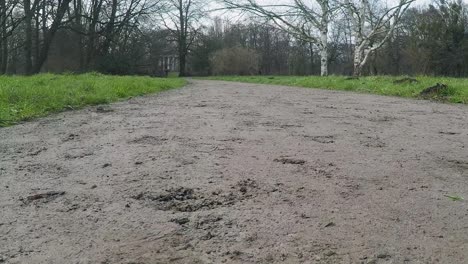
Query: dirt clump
pixel 290 161
pixel 46 197
pixel 437 90
pixel 183 199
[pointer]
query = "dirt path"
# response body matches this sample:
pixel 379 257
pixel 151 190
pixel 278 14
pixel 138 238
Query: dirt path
pixel 238 173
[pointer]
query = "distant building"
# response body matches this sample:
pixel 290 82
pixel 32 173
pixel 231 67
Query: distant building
pixel 169 63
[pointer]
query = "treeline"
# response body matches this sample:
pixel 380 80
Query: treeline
pixel 74 35
pixel 429 40
pixel 130 37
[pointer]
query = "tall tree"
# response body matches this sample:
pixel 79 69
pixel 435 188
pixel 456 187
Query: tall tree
pixel 299 18
pixel 57 15
pixel 372 25
pixel 106 26
pixel 8 24
pixel 28 33
pixel 184 16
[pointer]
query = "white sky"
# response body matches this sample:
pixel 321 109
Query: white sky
pixel 268 2
pixel 418 2
pixel 235 17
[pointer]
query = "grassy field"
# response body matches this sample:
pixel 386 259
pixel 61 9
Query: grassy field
pixel 23 98
pixel 457 91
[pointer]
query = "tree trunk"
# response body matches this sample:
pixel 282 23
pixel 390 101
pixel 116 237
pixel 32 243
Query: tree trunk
pixel 48 38
pixel 182 40
pixel 5 56
pixel 77 7
pixel 311 50
pixel 182 65
pixel 357 61
pixel 2 57
pixel 361 55
pixel 96 10
pixel 3 38
pixel 324 43
pixel 324 62
pixel 109 31
pixel 373 65
pixel 12 67
pixel 37 33
pixel 28 67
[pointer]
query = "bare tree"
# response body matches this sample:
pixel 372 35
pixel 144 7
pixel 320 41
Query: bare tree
pixel 28 33
pixel 184 16
pixel 47 17
pixel 123 15
pixel 289 37
pixel 372 25
pixel 105 26
pixel 8 24
pixel 56 18
pixel 306 21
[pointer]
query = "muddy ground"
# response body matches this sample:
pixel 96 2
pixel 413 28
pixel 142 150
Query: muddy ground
pixel 223 172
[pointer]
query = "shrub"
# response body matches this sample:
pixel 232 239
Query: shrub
pixel 235 61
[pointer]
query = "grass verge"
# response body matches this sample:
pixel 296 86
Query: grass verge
pixel 457 91
pixel 24 98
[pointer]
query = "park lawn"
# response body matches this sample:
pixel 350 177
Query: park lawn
pixel 457 91
pixel 23 98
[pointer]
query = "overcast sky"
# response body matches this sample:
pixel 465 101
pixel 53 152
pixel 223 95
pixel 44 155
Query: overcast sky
pixel 286 1
pixel 235 16
pixel 267 2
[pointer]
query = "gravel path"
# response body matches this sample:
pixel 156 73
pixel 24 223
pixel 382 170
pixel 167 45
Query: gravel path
pixel 222 172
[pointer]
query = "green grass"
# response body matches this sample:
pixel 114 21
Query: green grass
pixel 457 91
pixel 24 98
pixel 455 198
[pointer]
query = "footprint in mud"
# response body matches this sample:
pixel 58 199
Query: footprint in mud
pixel 382 119
pixel 78 154
pixel 268 124
pixel 291 126
pixel 37 151
pixel 148 140
pixel 245 185
pixel 290 161
pixel 350 191
pixel 183 199
pixel 248 123
pixel 70 137
pixel 322 139
pixel 459 163
pixel 373 142
pixel 449 133
pixel 455 164
pixel 208 222
pixel 43 197
pixel 41 168
pixel 233 139
pixel 249 113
